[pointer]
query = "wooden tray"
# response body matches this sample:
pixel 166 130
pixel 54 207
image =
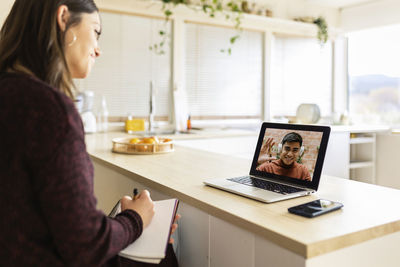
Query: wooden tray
pixel 123 145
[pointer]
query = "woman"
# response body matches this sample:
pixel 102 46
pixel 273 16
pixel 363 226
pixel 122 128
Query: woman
pixel 46 177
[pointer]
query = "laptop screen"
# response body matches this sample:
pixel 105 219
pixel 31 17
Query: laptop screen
pixel 291 153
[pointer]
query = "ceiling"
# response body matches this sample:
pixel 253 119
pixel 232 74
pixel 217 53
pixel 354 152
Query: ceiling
pixel 341 3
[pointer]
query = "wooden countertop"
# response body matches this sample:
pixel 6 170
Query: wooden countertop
pixel 369 211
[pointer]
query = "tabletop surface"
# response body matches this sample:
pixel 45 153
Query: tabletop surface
pixel 369 211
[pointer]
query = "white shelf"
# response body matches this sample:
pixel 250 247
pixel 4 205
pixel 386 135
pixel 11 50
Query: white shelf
pixel 362 140
pixel 192 15
pixel 352 158
pixel 361 164
pixel 362 156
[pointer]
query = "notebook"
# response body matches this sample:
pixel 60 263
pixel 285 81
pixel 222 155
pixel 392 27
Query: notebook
pixel 287 163
pixel 151 246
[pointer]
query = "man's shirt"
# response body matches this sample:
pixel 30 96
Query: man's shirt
pixel 295 170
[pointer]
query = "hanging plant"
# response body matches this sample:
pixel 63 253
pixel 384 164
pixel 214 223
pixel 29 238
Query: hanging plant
pixel 322 29
pixel 322 25
pixel 231 10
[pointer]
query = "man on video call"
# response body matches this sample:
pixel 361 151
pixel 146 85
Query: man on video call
pixel 287 164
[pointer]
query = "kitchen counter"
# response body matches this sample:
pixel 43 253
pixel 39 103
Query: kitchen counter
pixel 367 215
pixel 360 128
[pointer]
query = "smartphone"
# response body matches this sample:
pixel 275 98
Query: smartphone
pixel 315 208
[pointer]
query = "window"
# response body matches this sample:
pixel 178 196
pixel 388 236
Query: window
pixel 374 75
pixel 301 73
pixel 124 70
pixel 219 85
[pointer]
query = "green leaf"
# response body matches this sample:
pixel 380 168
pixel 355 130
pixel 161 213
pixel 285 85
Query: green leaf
pixel 235 8
pixel 210 8
pixel 234 38
pixel 167 13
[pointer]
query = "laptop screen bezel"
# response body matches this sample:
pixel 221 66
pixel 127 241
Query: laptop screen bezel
pixel 295 127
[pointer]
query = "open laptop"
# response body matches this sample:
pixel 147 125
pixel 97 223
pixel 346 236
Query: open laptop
pixel 287 163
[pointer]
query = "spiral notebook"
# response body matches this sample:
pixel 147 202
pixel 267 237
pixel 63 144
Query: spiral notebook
pixel 151 246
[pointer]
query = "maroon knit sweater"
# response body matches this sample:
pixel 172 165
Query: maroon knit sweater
pixel 49 215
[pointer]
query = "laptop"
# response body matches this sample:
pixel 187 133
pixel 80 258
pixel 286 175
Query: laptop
pixel 287 163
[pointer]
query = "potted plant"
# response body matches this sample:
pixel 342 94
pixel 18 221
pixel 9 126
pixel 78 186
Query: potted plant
pixel 231 10
pixel 322 25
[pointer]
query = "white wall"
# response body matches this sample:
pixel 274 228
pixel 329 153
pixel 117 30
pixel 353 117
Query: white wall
pixel 376 14
pixel 387 160
pixel 289 9
pixel 281 8
pixel 5 7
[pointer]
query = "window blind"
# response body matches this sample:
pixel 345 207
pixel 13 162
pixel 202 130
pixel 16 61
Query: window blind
pixel 218 84
pixel 124 70
pixel 301 73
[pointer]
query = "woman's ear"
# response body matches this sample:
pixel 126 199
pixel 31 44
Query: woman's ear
pixel 62 17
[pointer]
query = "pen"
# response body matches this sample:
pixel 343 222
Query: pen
pixel 135 193
pixel 115 210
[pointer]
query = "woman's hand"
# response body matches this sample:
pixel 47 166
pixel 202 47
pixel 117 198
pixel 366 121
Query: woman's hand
pixel 174 227
pixel 142 204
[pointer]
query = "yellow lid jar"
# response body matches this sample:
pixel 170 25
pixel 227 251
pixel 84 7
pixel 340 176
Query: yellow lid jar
pixel 134 125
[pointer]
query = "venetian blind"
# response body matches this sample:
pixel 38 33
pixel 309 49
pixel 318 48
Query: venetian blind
pixel 124 70
pixel 301 73
pixel 218 84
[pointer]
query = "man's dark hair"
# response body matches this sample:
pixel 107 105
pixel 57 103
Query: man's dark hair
pixel 292 137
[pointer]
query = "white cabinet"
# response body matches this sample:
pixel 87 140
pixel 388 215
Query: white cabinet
pixel 351 153
pixel 363 157
pixel 337 156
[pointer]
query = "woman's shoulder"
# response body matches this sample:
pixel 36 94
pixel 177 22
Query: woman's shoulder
pixel 32 93
pixel 38 104
pixel 30 85
pixel 48 116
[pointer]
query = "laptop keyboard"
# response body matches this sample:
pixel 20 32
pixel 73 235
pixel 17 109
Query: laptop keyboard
pixel 267 185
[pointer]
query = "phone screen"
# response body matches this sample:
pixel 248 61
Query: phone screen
pixel 315 208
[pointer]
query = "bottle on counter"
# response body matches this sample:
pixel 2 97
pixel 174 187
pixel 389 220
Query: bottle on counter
pixel 102 116
pixel 88 118
pixel 189 123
